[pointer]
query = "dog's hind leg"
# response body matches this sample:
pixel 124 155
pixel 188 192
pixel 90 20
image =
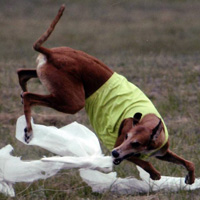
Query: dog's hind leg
pixel 51 101
pixel 172 157
pixel 29 100
pixel 24 75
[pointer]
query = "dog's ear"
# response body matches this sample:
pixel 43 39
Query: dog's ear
pixel 136 118
pixel 156 131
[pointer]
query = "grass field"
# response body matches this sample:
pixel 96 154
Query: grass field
pixel 155 44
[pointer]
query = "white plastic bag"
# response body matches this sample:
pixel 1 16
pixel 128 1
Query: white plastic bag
pixel 76 147
pixel 13 169
pixel 168 183
pixel 100 182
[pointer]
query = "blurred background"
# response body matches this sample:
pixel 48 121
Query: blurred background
pixel 155 44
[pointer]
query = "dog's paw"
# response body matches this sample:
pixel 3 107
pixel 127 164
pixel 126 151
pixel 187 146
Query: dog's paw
pixel 189 180
pixel 27 135
pixel 155 176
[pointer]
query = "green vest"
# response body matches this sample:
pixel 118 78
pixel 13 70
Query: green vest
pixel 113 102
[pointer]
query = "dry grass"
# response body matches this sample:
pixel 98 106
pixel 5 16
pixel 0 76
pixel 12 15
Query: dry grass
pixel 155 44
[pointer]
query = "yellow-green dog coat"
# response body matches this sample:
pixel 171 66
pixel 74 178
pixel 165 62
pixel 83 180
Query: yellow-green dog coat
pixel 113 102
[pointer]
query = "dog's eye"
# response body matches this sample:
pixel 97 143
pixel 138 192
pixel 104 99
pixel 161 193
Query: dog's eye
pixel 135 144
pixel 126 137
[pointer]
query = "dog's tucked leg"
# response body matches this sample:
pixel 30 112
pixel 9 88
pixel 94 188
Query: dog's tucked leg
pixel 30 100
pixel 24 75
pixel 172 157
pixel 148 167
pixel 51 101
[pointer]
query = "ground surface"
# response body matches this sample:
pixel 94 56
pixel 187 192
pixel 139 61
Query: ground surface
pixel 155 44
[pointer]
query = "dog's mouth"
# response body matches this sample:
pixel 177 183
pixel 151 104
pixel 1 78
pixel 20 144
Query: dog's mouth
pixel 117 161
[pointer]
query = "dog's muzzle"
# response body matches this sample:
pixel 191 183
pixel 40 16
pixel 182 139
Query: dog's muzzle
pixel 115 155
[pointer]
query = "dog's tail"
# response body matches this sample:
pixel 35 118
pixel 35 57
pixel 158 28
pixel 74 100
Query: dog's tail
pixel 37 45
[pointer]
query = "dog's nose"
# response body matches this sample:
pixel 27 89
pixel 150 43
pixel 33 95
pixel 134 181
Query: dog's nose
pixel 115 154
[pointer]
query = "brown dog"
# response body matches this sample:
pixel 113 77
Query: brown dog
pixel 76 79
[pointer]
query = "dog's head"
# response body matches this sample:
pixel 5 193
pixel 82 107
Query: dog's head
pixel 139 138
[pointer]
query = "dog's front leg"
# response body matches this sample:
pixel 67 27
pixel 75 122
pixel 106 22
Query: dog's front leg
pixel 148 167
pixel 172 157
